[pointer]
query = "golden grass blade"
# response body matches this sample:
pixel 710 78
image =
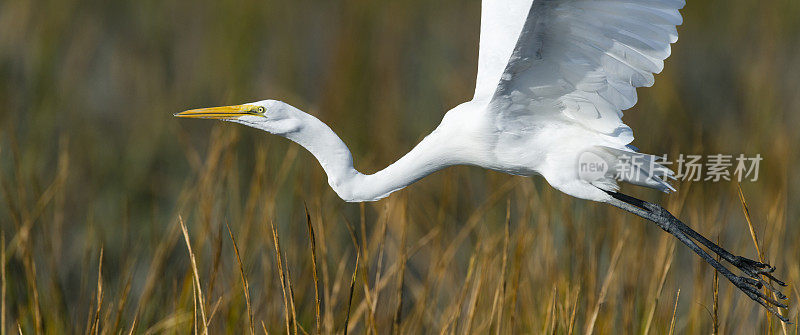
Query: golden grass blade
pixel 156 266
pixel 670 253
pixel 196 274
pixel 291 295
pixel 746 211
pixel 303 330
pixel 500 291
pixel 329 288
pixel 133 324
pixel 332 294
pixel 30 270
pixel 365 258
pixel 350 299
pixel 518 252
pixel 214 310
pixel 215 264
pixel 456 314
pixel 367 302
pixel 378 273
pixel 571 325
pixel 474 300
pixel 674 313
pixel 606 282
pixel 245 285
pixel 169 322
pixel 121 304
pixel 194 309
pixel 96 322
pixel 314 272
pixel 362 217
pixel 398 314
pixel 279 264
pixel 552 314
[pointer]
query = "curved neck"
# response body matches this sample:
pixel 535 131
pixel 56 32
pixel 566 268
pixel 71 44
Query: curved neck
pixel 428 156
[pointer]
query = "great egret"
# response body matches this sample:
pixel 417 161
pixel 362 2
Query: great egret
pixel 553 79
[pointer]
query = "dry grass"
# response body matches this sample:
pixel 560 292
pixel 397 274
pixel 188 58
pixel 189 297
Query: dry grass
pixel 100 188
pixel 674 313
pixel 245 285
pixel 197 291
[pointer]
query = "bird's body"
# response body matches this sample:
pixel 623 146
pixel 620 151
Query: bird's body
pixel 553 79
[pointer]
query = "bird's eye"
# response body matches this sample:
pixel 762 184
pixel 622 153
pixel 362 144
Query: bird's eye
pixel 261 110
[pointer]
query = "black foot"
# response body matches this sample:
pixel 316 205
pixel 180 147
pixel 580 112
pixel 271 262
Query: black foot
pixel 752 288
pixel 753 268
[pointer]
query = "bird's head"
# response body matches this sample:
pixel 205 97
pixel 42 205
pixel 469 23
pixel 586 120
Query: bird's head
pixel 269 115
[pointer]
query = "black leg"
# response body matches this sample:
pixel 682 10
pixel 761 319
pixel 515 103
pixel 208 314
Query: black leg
pixel 750 286
pixel 750 267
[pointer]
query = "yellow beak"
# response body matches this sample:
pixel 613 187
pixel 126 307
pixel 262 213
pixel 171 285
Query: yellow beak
pixel 220 113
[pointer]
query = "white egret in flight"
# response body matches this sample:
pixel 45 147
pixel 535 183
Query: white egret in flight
pixel 553 79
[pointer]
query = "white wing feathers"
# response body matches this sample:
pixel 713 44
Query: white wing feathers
pixel 501 25
pixel 584 58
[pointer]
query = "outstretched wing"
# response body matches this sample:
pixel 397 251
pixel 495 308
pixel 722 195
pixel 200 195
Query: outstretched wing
pixel 584 58
pixel 501 24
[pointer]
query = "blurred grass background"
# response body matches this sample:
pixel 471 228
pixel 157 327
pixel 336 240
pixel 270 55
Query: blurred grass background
pixel 92 160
